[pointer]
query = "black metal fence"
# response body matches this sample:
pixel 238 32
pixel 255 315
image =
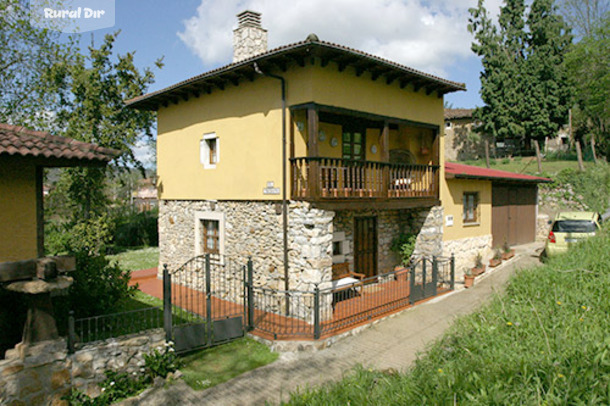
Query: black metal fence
pixel 329 310
pixel 212 299
pixel 88 329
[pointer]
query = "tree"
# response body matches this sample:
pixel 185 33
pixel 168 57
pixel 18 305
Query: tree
pixel 522 87
pixel 92 89
pixel 589 66
pixel 26 53
pixel 585 16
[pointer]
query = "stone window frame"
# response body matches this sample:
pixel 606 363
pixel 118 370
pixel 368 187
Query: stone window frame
pixel 205 150
pixel 201 216
pixel 339 236
pixel 466 207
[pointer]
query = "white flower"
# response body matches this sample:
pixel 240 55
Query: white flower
pixel 112 383
pixel 171 350
pixel 103 389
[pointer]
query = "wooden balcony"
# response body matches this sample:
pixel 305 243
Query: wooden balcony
pixel 377 184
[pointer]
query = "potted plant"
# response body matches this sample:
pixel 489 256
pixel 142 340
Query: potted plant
pixel 507 253
pixel 497 258
pixel 468 278
pixel 478 268
pixel 403 246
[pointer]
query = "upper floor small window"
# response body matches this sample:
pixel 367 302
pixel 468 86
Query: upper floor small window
pixel 471 207
pixel 210 151
pixel 447 124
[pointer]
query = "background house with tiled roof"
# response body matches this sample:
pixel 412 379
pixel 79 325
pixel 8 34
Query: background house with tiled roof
pixel 23 156
pixel 461 142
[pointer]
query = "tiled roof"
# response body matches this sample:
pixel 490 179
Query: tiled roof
pixel 475 172
pixel 458 113
pixel 302 52
pixel 19 141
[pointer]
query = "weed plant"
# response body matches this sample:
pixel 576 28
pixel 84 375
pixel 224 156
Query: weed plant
pixel 545 340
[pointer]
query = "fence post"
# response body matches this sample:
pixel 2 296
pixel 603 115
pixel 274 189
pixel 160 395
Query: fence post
pixel 316 312
pixel 167 303
pixel 71 333
pixel 208 300
pixel 452 271
pixel 423 274
pixel 411 282
pixel 250 283
pixel 435 273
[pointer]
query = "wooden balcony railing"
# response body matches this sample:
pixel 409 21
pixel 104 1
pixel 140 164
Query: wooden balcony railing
pixel 334 178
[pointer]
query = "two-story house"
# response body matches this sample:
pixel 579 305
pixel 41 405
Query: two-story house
pixel 302 156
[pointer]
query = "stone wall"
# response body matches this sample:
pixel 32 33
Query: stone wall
pixel 542 227
pixel 41 374
pixel 465 251
pixel 426 223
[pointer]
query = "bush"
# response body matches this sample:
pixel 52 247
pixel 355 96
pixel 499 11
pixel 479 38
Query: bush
pixel 133 229
pixel 404 245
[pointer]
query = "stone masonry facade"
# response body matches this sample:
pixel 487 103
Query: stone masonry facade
pixel 254 229
pixel 466 250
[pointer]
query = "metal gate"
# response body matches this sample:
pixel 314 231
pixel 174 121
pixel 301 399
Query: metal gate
pixel 427 274
pixel 203 302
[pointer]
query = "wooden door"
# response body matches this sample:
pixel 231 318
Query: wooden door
pixel 365 245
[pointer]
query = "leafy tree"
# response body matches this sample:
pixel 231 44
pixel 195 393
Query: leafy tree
pixel 92 89
pixel 585 16
pixel 522 83
pixel 26 53
pixel 588 64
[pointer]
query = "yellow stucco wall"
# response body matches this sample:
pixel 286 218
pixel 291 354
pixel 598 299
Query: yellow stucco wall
pixel 452 191
pixel 247 122
pixel 18 234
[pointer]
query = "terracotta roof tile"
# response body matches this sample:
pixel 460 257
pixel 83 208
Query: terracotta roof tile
pixel 16 140
pixel 458 113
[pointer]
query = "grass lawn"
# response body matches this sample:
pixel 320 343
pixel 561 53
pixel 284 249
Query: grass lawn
pixel 137 258
pixel 527 165
pixel 544 341
pixel 212 366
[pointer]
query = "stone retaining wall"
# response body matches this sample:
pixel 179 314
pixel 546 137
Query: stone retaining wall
pixel 41 374
pixel 465 251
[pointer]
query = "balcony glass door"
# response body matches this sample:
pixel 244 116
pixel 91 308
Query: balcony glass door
pixel 354 148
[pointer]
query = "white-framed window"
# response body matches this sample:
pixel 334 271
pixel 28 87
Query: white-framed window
pixel 209 150
pixel 340 247
pixel 209 233
pixel 470 214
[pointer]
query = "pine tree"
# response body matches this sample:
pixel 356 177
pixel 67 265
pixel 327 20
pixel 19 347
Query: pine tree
pixel 522 84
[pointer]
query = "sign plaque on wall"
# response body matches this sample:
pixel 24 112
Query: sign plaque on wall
pixel 270 189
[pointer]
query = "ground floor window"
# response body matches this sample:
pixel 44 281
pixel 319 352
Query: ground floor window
pixel 471 205
pixel 209 233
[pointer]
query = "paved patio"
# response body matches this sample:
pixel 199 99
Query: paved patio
pixel 391 343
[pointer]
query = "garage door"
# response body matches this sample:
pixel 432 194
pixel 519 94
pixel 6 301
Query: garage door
pixel 513 214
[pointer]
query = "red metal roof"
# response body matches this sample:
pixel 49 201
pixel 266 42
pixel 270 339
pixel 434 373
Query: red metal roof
pixel 20 141
pixel 453 170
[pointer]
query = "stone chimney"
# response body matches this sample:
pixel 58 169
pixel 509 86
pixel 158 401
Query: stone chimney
pixel 249 38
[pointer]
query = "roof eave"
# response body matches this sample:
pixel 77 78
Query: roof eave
pixel 495 178
pixel 199 83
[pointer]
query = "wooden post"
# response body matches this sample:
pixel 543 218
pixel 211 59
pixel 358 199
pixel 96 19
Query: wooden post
pixel 384 145
pixel 312 146
pixel 581 166
pixel 593 148
pixel 487 153
pixel 538 156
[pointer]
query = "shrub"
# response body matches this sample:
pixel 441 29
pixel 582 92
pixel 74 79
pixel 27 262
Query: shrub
pixel 591 187
pixel 160 362
pixel 134 229
pixel 404 246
